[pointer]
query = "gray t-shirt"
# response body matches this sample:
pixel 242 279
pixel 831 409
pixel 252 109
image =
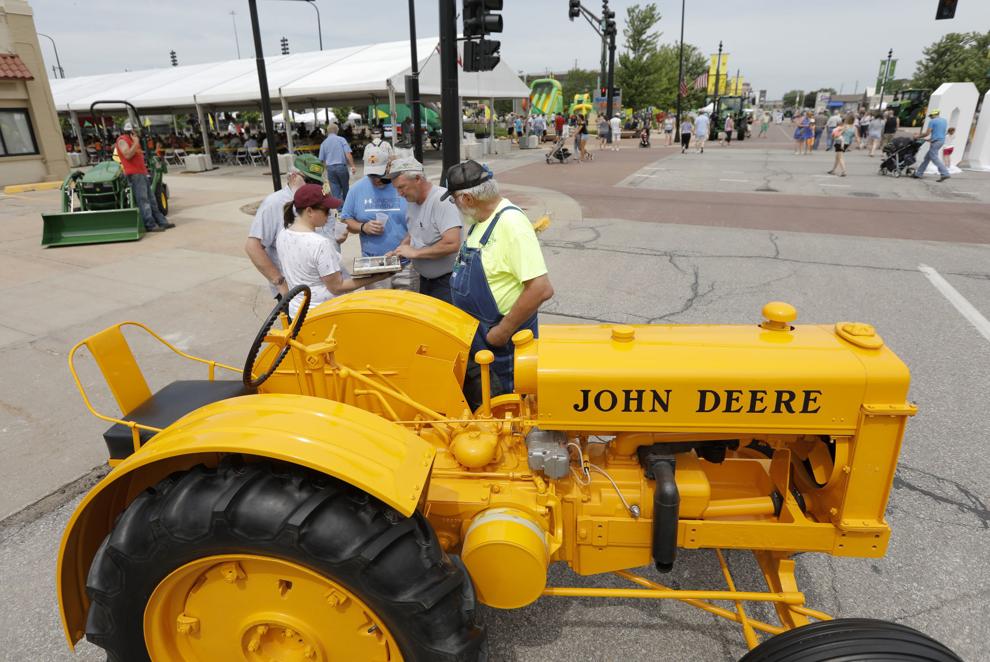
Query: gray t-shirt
pixel 427 223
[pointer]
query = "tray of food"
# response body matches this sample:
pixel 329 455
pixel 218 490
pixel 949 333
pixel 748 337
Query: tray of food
pixel 376 264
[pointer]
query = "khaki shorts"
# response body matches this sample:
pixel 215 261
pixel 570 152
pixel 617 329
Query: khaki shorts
pixel 407 279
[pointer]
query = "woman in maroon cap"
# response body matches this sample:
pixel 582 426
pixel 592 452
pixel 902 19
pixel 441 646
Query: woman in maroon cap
pixel 307 257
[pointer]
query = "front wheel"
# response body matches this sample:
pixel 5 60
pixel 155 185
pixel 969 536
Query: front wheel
pixel 161 193
pixel 851 640
pixel 262 561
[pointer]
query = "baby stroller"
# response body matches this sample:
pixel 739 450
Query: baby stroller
pixel 644 137
pixel 558 152
pixel 900 156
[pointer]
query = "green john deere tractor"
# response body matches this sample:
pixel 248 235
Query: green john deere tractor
pixel 910 106
pixel 97 205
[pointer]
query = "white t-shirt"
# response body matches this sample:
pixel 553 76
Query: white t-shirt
pixel 701 126
pixel 305 258
pixel 616 125
pixel 268 224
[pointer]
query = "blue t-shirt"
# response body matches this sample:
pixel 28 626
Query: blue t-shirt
pixel 363 201
pixel 938 125
pixel 334 149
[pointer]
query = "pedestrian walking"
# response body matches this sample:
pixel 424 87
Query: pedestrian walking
pixel 701 126
pixel 335 152
pixel 843 136
pixel 602 132
pixel 764 125
pixel 668 130
pixel 729 127
pixel 820 121
pixel 686 128
pixel 948 149
pixel 935 132
pixel 802 133
pixel 875 132
pixel 833 121
pixel 615 131
pixel 890 126
pixel 864 128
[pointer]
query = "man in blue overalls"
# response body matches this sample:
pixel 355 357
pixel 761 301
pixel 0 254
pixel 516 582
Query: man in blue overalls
pixel 499 278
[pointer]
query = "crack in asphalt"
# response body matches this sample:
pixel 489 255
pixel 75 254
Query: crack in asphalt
pixel 776 246
pixel 692 298
pixel 970 503
pixel 834 584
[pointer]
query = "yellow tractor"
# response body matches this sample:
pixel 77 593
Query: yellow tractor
pixel 340 501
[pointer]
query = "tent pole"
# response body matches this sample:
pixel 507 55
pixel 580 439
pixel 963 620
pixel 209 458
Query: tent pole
pixel 391 112
pixel 287 123
pixel 491 134
pixel 206 136
pixel 74 116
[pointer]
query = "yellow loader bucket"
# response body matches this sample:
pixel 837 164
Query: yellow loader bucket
pixel 91 227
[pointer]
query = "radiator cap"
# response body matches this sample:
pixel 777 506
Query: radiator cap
pixel 778 315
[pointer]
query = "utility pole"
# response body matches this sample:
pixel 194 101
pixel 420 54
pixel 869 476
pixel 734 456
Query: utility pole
pixel 266 102
pixel 412 86
pixel 610 30
pixel 886 74
pixel 718 77
pixel 449 97
pixel 233 20
pixel 680 73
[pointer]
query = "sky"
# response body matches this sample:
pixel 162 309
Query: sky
pixel 777 46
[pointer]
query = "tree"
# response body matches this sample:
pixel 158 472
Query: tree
pixel 955 57
pixel 638 72
pixel 695 64
pixel 790 99
pixel 578 81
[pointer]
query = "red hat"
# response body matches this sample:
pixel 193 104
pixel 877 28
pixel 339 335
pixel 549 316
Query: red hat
pixel 311 195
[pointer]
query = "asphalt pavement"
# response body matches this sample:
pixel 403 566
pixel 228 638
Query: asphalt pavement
pixel 609 262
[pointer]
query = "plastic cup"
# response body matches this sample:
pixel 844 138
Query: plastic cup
pixel 382 218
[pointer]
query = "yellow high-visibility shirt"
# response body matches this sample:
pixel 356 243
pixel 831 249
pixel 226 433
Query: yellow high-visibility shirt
pixel 511 257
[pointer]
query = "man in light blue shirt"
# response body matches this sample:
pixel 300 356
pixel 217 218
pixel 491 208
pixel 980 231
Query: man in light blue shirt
pixel 335 152
pixel 936 128
pixel 375 211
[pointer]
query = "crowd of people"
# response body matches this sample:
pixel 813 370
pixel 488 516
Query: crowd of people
pixel 464 244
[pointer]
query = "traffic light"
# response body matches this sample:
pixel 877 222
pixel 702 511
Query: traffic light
pixel 481 55
pixel 285 46
pixel 175 60
pixel 946 9
pixel 479 19
pixel 609 17
pixel 574 10
pixel 604 91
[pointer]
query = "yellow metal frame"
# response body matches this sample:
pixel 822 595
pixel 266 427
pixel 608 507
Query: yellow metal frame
pixel 116 359
pixel 789 603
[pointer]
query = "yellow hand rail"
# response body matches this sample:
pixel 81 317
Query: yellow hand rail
pixel 134 425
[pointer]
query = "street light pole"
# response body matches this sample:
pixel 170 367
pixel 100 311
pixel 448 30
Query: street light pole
pixel 237 43
pixel 718 79
pixel 680 72
pixel 886 73
pixel 413 103
pixel 319 23
pixel 266 102
pixel 61 71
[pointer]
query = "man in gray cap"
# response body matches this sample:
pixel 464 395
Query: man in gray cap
pixel 434 227
pixel 499 278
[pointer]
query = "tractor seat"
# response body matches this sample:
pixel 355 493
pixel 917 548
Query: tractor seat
pixel 166 407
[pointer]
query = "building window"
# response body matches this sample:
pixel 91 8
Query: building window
pixel 16 133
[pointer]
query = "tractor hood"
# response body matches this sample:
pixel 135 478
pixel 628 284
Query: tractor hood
pixel 102 173
pixel 800 379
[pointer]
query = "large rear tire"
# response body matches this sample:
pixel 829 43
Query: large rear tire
pixel 851 640
pixel 272 536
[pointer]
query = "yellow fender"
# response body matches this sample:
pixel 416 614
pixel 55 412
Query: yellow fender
pixel 381 458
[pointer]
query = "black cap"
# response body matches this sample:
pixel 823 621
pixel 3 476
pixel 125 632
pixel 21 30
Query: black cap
pixel 465 175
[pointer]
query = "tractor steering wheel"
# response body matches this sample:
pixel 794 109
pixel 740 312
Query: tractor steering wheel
pixel 281 307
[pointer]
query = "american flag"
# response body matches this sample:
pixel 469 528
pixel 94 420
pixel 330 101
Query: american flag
pixel 701 82
pixel 684 89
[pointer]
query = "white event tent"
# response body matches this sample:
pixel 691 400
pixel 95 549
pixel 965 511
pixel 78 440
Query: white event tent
pixel 352 75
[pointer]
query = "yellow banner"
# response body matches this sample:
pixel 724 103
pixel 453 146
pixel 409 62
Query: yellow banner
pixel 722 69
pixel 736 86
